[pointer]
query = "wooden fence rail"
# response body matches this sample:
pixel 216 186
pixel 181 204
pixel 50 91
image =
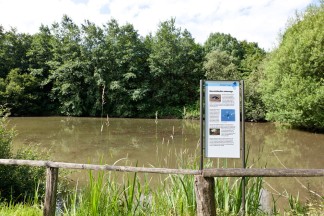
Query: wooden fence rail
pixel 204 179
pixel 217 172
pixel 98 167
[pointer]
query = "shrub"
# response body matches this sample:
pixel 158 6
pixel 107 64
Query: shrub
pixel 18 183
pixel 293 86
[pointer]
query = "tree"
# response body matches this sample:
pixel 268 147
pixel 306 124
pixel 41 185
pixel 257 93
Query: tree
pixel 68 69
pixel 219 65
pixel 21 93
pixel 251 72
pixel 247 55
pixel 92 53
pixel 228 58
pixel 175 66
pixel 224 42
pixel 293 83
pixel 253 55
pixel 126 75
pixel 13 49
pixel 39 55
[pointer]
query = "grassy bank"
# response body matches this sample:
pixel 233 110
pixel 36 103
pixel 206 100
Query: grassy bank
pixel 113 193
pixel 133 194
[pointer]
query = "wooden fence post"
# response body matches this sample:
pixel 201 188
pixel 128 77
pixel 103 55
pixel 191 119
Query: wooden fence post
pixel 205 195
pixel 50 193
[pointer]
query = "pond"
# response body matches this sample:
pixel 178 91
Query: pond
pixel 169 143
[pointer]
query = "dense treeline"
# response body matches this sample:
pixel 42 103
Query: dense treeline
pixel 87 70
pixel 90 70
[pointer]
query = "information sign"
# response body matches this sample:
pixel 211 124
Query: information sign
pixel 222 119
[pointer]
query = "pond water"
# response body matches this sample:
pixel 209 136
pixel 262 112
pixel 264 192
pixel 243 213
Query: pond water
pixel 169 143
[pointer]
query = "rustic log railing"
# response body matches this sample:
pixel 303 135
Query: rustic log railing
pixel 204 179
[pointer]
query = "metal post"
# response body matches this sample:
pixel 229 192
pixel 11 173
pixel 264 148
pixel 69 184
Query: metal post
pixel 201 126
pixel 243 146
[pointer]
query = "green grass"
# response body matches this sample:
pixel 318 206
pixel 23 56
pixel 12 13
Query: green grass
pixel 108 193
pixel 20 210
pixel 27 208
pixel 133 194
pixel 174 195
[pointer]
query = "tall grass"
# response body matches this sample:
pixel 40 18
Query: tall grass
pixel 30 206
pixel 105 195
pixel 20 209
pixel 133 194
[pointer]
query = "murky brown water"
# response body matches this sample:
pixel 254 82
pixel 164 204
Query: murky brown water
pixel 167 143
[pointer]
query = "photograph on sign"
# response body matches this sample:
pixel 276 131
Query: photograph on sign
pixel 222 122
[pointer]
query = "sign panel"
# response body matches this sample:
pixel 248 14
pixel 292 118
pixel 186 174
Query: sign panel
pixel 222 119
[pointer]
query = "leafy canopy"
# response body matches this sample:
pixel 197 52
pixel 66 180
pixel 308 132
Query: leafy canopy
pixel 293 84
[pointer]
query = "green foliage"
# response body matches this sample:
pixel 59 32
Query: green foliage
pixel 68 71
pixel 254 107
pixel 88 70
pixel 13 49
pixel 221 66
pixel 39 56
pixel 229 59
pixel 224 42
pixel 293 84
pixel 24 94
pixel 175 66
pixel 6 135
pixel 130 194
pixel 20 209
pixel 253 56
pixel 105 196
pixel 21 93
pixel 127 76
pixel 191 112
pixel 296 206
pixel 18 183
pixel 246 56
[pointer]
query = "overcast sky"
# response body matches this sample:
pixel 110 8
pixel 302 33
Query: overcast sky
pixel 252 20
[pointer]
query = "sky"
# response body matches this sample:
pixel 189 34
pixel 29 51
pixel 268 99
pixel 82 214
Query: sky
pixel 258 21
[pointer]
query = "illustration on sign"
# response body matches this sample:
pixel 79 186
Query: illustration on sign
pixel 222 104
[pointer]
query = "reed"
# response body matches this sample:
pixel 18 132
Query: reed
pixel 170 195
pixel 108 193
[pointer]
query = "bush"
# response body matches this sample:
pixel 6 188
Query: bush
pixel 293 85
pixel 255 110
pixel 18 183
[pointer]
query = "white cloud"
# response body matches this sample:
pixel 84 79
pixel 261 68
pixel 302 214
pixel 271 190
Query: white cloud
pixel 253 20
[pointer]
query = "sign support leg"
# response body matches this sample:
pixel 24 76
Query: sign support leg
pixel 201 126
pixel 243 146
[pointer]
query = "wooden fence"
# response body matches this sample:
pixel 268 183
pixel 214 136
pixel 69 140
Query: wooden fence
pixel 204 179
